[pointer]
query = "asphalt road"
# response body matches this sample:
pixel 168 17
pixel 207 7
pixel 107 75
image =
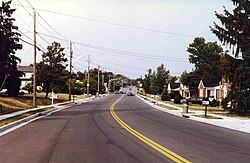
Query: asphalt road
pixel 89 133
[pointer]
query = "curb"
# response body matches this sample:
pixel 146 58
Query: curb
pixel 26 119
pixel 57 107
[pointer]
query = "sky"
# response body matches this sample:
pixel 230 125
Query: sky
pixel 122 36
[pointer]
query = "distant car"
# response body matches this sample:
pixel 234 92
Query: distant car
pixel 116 92
pixel 130 93
pixel 121 92
pixel 22 92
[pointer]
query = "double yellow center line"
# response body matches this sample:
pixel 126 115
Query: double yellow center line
pixel 166 152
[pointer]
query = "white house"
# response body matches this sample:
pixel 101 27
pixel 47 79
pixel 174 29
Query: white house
pixel 178 87
pixel 213 90
pixel 27 74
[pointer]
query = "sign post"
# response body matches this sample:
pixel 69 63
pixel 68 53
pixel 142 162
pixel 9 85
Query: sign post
pixel 205 103
pixel 52 99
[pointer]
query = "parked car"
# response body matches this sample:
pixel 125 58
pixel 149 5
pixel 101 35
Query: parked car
pixel 116 92
pixel 194 100
pixel 22 92
pixel 3 91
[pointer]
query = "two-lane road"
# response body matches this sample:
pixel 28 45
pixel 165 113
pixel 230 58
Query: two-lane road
pixel 105 131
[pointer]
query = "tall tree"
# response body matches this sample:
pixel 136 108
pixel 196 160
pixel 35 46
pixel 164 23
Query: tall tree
pixel 206 58
pixel 147 81
pixel 9 43
pixel 154 81
pixel 52 68
pixel 162 76
pixel 235 31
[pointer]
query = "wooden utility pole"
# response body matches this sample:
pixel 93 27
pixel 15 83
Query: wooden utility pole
pixel 102 77
pixel 70 70
pixel 98 81
pixel 88 76
pixel 34 63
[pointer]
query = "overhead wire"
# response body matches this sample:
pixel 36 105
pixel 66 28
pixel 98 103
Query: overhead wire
pixel 122 52
pixel 118 24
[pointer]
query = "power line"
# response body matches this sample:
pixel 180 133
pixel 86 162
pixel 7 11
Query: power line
pixel 122 52
pixel 24 8
pixel 118 24
pixel 43 20
pixel 126 66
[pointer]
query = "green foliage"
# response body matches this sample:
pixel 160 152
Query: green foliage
pixel 28 87
pixel 9 43
pixel 191 80
pixel 214 103
pixel 206 58
pixel 154 81
pixel 92 85
pixel 165 96
pixel 52 69
pixel 177 99
pixel 235 32
pixel 13 84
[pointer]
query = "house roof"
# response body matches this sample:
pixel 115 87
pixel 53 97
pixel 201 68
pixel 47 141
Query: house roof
pixel 209 83
pixel 25 68
pixel 174 85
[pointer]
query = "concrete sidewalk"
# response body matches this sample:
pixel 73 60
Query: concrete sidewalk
pixel 222 121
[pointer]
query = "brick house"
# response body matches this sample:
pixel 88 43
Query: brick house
pixel 213 90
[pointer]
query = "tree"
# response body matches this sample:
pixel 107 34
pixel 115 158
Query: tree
pixel 9 43
pixel 154 81
pixel 147 81
pixel 162 76
pixel 192 80
pixel 92 85
pixel 52 68
pixel 206 58
pixel 235 31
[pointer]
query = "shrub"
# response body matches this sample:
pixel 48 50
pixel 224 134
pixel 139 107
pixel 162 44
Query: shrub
pixel 28 87
pixel 214 103
pixel 177 99
pixel 13 84
pixel 165 96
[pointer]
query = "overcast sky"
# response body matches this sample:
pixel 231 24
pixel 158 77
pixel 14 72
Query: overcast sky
pixel 101 24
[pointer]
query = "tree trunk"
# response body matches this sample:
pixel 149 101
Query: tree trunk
pixel 47 90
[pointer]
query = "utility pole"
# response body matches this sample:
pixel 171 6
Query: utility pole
pixel 102 77
pixel 114 85
pixel 34 63
pixel 98 82
pixel 88 76
pixel 109 84
pixel 70 70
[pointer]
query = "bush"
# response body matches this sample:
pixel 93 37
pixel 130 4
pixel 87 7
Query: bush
pixel 172 95
pixel 177 99
pixel 13 84
pixel 28 87
pixel 214 103
pixel 165 96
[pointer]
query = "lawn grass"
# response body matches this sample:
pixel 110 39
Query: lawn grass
pixel 167 107
pixel 13 104
pixel 199 107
